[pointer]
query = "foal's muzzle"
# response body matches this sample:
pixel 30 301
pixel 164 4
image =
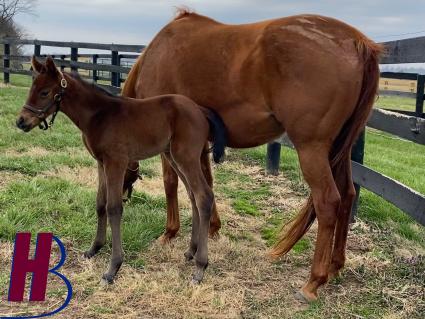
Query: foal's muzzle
pixel 21 124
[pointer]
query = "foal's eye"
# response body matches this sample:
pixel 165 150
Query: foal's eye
pixel 44 93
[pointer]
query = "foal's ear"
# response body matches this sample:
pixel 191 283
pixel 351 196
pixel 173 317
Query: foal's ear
pixel 50 65
pixel 36 66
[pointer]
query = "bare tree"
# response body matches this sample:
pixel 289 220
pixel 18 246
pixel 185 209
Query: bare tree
pixel 10 8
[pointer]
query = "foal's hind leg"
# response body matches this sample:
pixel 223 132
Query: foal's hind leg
pixel 100 239
pixel 348 193
pixel 189 166
pixel 317 172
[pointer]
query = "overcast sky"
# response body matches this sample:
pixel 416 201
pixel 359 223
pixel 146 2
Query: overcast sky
pixel 137 21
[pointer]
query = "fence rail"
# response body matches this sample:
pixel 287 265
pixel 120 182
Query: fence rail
pixel 70 61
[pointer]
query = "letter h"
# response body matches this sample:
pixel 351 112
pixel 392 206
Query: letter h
pixel 39 267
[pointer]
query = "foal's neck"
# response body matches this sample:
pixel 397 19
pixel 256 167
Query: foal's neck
pixel 82 102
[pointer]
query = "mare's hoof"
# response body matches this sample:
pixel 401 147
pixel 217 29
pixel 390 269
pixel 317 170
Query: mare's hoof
pixel 214 235
pixel 303 297
pixel 166 238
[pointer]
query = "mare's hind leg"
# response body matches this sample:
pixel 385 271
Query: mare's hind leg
pixel 171 181
pixel 100 239
pixel 193 246
pixel 215 223
pixel 171 184
pixel 348 194
pixel 326 199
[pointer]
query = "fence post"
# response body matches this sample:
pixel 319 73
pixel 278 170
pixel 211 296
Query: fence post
pixel 62 66
pixel 420 96
pixel 357 155
pixel 273 158
pixel 119 74
pixel 6 63
pixel 115 77
pixel 94 72
pixel 37 50
pixel 74 58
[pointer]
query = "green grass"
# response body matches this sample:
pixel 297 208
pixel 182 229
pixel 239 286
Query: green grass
pixel 18 80
pixel 396 103
pixel 245 194
pixel 61 207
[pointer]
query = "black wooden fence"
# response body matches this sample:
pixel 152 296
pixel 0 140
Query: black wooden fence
pixel 71 60
pixel 405 124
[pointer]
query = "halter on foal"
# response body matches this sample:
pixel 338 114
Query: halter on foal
pixel 117 131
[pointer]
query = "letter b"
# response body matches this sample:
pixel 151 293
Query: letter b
pixel 39 267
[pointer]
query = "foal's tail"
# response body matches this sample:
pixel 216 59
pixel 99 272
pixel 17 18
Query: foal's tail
pixel 218 134
pixel 341 149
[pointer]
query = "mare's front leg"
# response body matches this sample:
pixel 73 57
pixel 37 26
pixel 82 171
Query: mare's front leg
pixel 114 172
pixel 100 239
pixel 215 223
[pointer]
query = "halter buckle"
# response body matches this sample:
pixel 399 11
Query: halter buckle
pixel 64 84
pixel 57 97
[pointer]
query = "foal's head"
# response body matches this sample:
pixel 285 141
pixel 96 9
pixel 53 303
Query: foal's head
pixel 44 97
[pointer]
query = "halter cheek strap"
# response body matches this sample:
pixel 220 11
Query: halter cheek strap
pixel 41 113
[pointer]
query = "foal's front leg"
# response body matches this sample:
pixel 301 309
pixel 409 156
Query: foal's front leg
pixel 100 239
pixel 114 172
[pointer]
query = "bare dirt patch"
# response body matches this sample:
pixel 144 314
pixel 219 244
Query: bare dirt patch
pixel 84 176
pixel 33 151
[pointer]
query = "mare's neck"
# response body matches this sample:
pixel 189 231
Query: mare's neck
pixel 81 102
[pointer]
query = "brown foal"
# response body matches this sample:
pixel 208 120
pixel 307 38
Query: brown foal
pixel 310 76
pixel 118 131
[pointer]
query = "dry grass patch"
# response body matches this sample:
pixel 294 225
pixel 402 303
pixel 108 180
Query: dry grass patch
pixel 8 177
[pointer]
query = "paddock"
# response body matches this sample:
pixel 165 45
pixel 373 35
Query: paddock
pixel 53 175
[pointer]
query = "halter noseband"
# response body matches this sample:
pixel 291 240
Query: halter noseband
pixel 40 113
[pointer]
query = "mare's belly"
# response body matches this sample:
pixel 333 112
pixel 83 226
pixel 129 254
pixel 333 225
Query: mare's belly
pixel 249 128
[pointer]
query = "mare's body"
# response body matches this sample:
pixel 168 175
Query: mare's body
pixel 313 77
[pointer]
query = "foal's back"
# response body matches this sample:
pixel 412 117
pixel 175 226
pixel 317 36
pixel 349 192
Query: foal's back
pixel 148 126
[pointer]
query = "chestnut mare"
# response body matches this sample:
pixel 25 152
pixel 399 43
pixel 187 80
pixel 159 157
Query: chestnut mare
pixel 119 130
pixel 313 77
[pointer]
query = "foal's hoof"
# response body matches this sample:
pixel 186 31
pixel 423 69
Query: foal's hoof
pixel 195 282
pixel 107 280
pixel 188 255
pixel 304 297
pixel 89 254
